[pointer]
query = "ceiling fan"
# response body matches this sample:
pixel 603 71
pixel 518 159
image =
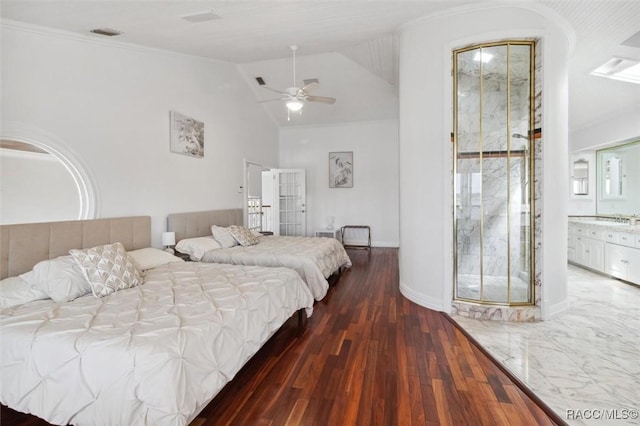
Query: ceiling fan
pixel 295 96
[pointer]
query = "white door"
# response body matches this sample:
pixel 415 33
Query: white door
pixel 289 196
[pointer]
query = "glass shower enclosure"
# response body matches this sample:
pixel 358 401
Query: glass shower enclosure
pixel 493 172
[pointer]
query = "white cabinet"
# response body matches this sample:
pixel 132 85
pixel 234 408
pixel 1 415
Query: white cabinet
pixel 590 253
pixel 625 239
pixel 571 248
pixel 607 249
pixel 594 233
pixel 595 254
pixel 615 260
pixel 623 262
pixel 633 268
pixel 580 254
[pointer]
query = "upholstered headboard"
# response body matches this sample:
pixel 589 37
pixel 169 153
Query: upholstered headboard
pixel 198 224
pixel 24 245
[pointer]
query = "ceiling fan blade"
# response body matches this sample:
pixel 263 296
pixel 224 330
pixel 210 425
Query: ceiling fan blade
pixel 322 99
pixel 271 100
pixel 274 90
pixel 310 87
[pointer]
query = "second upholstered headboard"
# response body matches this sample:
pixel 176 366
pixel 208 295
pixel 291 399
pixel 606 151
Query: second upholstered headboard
pixel 198 224
pixel 24 245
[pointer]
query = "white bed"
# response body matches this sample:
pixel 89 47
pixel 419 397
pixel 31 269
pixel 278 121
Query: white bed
pixel 154 354
pixel 315 259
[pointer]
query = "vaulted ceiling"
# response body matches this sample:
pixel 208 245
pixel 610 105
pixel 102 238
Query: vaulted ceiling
pixel 349 46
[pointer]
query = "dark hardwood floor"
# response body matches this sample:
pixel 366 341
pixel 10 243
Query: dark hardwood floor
pixel 368 356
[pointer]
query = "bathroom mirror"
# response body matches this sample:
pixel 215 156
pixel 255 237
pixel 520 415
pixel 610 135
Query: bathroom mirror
pixel 580 177
pixel 612 178
pixel 618 179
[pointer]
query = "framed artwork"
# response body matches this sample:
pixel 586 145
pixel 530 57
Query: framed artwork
pixel 341 169
pixel 187 135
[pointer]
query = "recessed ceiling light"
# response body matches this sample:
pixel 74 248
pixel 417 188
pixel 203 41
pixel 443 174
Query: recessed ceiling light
pixel 207 15
pixel 106 32
pixel 482 56
pixel 620 69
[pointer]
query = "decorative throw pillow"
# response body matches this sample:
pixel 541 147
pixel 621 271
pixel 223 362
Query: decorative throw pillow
pixel 150 257
pixel 197 247
pixel 223 236
pixel 60 278
pixel 108 268
pixel 242 235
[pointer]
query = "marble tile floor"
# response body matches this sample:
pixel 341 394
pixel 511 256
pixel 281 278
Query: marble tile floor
pixel 584 364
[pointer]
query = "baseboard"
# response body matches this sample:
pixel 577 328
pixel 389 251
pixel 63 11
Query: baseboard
pixel 421 299
pixel 365 243
pixel 555 310
pixel 386 244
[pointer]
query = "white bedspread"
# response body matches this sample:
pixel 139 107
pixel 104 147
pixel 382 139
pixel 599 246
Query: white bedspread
pixel 150 355
pixel 314 259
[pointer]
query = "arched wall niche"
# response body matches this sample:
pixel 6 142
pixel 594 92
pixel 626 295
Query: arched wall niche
pixel 425 93
pixel 87 207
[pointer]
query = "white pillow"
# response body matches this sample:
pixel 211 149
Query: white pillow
pixel 223 236
pixel 60 278
pixel 15 291
pixel 150 257
pixel 243 235
pixel 197 247
pixel 108 268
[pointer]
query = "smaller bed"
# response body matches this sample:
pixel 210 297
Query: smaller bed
pixel 314 259
pixel 153 354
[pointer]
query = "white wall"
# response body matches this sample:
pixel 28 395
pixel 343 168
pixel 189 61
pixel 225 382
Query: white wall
pixel 425 91
pixel 625 125
pixel 373 200
pixel 109 105
pixel 35 187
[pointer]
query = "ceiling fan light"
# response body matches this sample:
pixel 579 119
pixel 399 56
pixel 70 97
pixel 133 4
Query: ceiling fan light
pixel 294 105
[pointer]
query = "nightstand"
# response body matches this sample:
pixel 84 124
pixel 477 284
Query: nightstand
pixel 329 233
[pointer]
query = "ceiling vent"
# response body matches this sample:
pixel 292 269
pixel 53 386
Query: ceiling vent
pixel 106 32
pixel 207 15
pixel 260 81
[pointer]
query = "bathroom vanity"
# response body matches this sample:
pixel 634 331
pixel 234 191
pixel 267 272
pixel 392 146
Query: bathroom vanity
pixel 605 246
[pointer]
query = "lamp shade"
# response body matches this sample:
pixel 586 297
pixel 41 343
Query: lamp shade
pixel 168 238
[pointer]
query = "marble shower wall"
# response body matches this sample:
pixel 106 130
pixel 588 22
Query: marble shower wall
pixel 496 220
